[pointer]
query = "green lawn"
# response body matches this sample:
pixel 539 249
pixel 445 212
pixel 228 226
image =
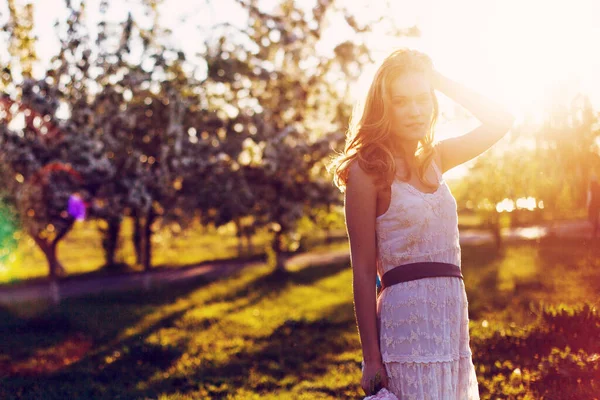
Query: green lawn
pixel 255 336
pixel 81 250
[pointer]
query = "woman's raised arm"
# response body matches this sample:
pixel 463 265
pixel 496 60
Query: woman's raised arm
pixel 495 123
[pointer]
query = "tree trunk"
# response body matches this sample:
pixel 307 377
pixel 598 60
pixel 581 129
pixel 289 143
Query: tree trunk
pixel 111 240
pixel 55 268
pixel 137 238
pixel 328 237
pixel 147 240
pixel 239 233
pixel 279 256
pixel 494 225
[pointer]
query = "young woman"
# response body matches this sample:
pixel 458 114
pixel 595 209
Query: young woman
pixel 402 226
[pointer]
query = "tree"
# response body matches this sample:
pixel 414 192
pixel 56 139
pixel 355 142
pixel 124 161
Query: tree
pixel 550 162
pixel 287 110
pixel 47 170
pixel 21 42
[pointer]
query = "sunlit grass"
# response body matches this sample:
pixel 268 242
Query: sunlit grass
pixel 81 250
pixel 555 270
pixel 244 330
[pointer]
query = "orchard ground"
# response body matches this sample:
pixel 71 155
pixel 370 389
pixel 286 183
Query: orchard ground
pixel 534 333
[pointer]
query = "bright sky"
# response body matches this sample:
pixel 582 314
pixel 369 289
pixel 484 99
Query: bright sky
pixel 517 52
pixel 510 49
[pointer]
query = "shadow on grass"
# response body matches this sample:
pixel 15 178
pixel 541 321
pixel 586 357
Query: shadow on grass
pixel 480 271
pixel 276 282
pixel 508 281
pixel 42 325
pixel 100 317
pixel 298 350
pixel 109 372
pixel 560 351
pixel 474 256
pixel 114 367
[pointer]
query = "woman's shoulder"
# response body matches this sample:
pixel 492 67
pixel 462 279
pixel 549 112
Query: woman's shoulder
pixel 359 176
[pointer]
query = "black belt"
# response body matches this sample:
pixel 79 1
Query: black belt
pixel 419 270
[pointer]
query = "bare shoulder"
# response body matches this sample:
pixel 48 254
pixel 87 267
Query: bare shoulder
pixel 358 177
pixel 361 195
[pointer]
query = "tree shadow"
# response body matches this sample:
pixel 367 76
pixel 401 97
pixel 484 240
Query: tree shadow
pixel 480 270
pixel 93 316
pixel 474 256
pixel 534 348
pixel 108 372
pixel 274 283
pixel 505 283
pixel 133 360
pixel 298 350
pixel 260 257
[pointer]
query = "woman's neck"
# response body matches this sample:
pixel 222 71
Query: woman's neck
pixel 406 150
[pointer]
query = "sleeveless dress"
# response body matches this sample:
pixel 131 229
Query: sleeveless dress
pixel 424 324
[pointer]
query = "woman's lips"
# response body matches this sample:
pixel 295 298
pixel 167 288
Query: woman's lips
pixel 417 125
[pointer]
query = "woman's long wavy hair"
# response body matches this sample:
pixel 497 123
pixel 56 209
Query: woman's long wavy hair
pixel 369 136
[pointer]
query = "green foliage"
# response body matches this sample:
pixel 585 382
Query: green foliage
pixel 8 230
pixel 242 135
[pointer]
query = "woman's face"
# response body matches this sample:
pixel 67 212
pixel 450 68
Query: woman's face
pixel 412 106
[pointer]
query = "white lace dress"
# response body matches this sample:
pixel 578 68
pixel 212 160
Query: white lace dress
pixel 424 324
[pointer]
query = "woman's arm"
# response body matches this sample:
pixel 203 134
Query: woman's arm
pixel 495 123
pixel 359 204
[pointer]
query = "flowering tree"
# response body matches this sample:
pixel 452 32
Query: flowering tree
pixel 288 114
pixel 142 134
pixel 47 170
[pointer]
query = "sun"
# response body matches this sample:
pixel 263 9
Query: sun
pixel 517 52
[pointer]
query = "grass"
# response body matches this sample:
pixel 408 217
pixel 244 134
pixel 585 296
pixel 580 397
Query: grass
pixel 81 250
pixel 534 333
pixel 545 272
pixel 202 340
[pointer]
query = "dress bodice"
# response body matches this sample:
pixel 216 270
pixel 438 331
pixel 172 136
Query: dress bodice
pixel 418 226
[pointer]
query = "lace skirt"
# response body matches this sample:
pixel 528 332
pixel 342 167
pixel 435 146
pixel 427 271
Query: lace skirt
pixel 424 340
